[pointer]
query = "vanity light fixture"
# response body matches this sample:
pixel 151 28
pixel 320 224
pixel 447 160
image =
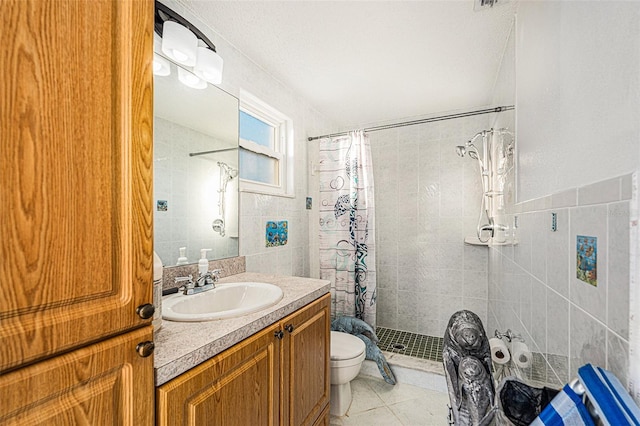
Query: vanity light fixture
pixel 179 44
pixel 208 66
pixel 161 66
pixel 185 44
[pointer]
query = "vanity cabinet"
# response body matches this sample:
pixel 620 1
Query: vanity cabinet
pixel 278 376
pixel 76 221
pixel 306 375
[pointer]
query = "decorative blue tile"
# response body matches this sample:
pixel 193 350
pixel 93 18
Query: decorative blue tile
pixel 587 259
pixel 277 233
pixel 162 205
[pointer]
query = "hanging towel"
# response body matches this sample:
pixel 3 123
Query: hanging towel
pixel 612 402
pixel 565 409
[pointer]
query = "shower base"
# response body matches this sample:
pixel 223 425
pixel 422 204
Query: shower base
pixel 410 344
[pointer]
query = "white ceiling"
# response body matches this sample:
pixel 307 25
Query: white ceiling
pixel 362 62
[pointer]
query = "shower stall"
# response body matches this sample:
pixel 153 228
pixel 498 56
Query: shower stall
pixel 427 202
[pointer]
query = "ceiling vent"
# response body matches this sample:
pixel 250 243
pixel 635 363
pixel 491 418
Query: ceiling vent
pixel 487 4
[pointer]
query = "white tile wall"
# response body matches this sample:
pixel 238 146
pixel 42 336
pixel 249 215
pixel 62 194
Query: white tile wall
pixel 569 321
pixel 427 201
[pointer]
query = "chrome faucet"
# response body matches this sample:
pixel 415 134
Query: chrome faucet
pixel 206 281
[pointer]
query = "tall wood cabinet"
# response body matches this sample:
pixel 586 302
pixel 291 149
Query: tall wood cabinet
pixel 279 376
pixel 76 222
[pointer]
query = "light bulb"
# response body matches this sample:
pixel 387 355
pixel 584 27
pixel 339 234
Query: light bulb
pixel 179 43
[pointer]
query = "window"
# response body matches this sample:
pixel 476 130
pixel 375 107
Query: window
pixel 266 148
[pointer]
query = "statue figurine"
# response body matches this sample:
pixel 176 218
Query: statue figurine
pixel 365 332
pixel 465 338
pixel 476 393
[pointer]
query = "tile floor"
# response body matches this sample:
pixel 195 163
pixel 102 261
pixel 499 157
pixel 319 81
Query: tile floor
pixel 377 403
pixel 411 344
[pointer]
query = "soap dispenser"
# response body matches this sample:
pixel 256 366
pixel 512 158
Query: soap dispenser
pixel 182 260
pixel 203 263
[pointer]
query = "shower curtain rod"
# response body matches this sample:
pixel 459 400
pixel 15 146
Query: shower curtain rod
pixel 195 154
pixel 422 121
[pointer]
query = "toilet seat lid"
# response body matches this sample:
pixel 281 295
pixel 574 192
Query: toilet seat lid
pixel 345 346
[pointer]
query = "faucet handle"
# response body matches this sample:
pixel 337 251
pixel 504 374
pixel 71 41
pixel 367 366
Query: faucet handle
pixel 216 274
pixel 188 278
pixel 189 284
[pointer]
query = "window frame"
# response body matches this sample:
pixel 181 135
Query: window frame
pixel 283 146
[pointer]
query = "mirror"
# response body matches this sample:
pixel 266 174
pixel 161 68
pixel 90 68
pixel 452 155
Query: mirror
pixel 195 140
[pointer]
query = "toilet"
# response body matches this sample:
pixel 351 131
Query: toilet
pixel 347 355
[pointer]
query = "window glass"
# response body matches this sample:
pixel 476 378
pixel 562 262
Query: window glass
pixel 259 167
pixel 266 148
pixel 256 130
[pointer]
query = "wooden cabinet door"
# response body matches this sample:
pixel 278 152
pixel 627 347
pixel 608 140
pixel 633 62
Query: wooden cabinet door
pixel 324 419
pixel 75 173
pixel 238 387
pixel 306 354
pixel 107 383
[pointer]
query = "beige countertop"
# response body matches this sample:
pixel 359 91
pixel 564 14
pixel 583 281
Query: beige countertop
pixel 181 346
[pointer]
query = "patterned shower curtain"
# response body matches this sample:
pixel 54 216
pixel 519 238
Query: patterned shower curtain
pixel 347 238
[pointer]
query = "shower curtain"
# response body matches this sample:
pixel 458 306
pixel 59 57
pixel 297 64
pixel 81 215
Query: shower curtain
pixel 347 238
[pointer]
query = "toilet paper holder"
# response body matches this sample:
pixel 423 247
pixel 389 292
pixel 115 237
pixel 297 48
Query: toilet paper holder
pixel 509 335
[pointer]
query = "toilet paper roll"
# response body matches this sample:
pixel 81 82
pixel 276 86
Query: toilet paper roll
pixel 521 354
pixel 499 352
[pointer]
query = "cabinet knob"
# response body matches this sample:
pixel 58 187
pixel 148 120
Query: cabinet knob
pixel 145 311
pixel 145 349
pixel 289 328
pixel 279 334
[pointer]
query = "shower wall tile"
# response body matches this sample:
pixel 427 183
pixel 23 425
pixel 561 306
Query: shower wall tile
pixel 450 230
pixel 475 258
pixel 429 200
pixel 408 303
pixel 588 341
pixel 618 356
pixel 387 254
pixel 558 254
pixel 557 315
pixel 407 204
pixel 387 300
pixel 428 230
pixel 541 224
pixel 522 249
pixel 407 278
pixel 567 198
pixel 449 281
pixel 387 275
pixel 407 322
pixel 449 305
pixel 475 285
pixel 618 268
pixel 430 327
pixel 581 323
pixel 601 192
pixel 524 286
pixel 538 329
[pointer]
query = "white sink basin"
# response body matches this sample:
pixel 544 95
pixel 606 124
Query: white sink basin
pixel 225 301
